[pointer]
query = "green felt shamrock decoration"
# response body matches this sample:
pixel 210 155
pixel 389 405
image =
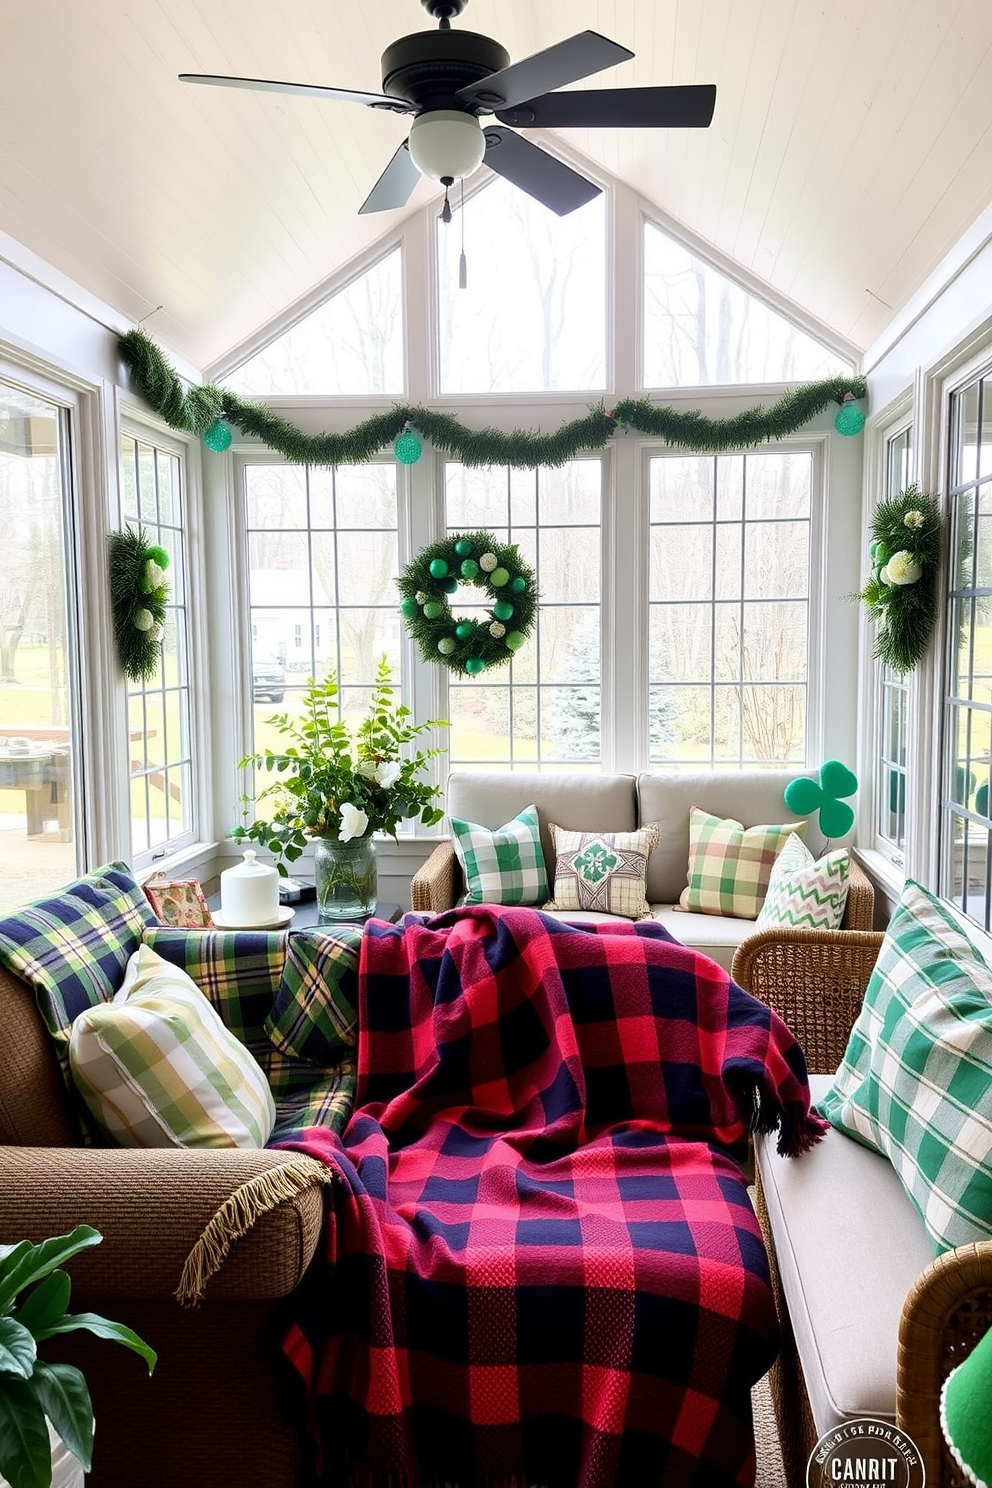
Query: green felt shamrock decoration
pixel 804 796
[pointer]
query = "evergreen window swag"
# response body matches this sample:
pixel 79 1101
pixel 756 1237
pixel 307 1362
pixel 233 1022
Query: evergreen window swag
pixel 138 599
pixel 900 593
pixel 194 410
pixel 469 645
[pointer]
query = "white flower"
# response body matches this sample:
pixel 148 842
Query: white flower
pixel 353 821
pixel 142 619
pixel 367 768
pixel 388 773
pixel 903 568
pixel 913 519
pixel 883 575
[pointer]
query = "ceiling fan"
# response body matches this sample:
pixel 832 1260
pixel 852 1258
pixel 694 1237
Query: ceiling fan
pixel 446 79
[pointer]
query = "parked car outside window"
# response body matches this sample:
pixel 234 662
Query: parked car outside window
pixel 268 678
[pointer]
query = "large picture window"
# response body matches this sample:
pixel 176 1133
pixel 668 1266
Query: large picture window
pixel 543 709
pixel 966 874
pixel 159 710
pixel 729 608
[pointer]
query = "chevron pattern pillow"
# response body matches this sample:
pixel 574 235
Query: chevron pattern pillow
pixel 803 893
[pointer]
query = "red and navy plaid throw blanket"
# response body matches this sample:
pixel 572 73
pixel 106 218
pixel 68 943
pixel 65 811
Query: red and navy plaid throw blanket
pixel 542 1266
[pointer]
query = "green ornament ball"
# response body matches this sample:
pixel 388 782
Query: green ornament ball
pixel 463 629
pixel 514 640
pixel 474 665
pixel 849 421
pixel 518 585
pixel 433 609
pixel 438 568
pixel 159 555
pixel 408 448
pixel 881 554
pixel 463 547
pixel 503 610
pixel 408 607
pixel 217 436
pixel 446 645
pixel 872 550
pixel 499 577
pixel 450 584
pixel 469 569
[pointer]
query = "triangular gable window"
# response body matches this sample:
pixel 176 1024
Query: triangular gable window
pixel 701 329
pixel 352 344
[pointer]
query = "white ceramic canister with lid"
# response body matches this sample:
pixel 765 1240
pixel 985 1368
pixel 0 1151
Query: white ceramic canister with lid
pixel 249 892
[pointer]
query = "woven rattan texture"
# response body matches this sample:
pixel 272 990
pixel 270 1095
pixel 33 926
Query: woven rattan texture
pixel 796 1431
pixel 34 1105
pixel 433 885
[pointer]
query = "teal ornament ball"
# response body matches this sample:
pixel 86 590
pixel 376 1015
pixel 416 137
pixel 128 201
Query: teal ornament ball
pixel 518 585
pixel 499 577
pixel 450 584
pixel 463 547
pixel 469 569
pixel 408 448
pixel 408 607
pixel 217 436
pixel 474 665
pixel 849 421
pixel 433 609
pixel 463 629
pixel 503 610
pixel 514 640
pixel 438 568
pixel 446 645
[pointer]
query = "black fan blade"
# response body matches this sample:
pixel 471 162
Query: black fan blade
pixel 535 171
pixel 688 107
pixel 394 186
pixel 303 90
pixel 577 57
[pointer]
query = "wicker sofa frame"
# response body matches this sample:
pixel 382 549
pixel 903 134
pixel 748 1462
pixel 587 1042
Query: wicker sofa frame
pixel 816 980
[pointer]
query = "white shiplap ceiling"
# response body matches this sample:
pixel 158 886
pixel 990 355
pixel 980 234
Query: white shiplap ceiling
pixel 850 148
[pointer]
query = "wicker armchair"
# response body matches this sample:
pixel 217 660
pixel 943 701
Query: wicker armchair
pixel 815 980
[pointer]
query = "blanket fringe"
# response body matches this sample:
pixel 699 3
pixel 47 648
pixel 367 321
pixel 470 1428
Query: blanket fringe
pixel 236 1216
pixel 799 1127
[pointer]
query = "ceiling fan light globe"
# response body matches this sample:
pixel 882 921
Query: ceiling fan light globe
pixel 446 142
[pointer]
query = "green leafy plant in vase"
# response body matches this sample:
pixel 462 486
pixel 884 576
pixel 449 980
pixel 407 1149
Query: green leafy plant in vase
pixel 336 788
pixel 34 1296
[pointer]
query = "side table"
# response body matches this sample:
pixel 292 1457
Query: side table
pixel 305 917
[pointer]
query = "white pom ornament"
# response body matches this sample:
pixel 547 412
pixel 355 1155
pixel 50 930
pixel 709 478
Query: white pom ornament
pixel 420 597
pixel 488 562
pixel 497 630
pixel 143 620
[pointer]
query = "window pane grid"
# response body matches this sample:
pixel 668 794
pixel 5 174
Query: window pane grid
pixel 729 609
pixel 543 710
pixel 966 848
pixel 160 731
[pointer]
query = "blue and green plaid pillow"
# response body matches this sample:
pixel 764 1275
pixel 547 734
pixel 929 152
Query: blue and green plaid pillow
pixel 315 1014
pixel 72 949
pixel 915 1082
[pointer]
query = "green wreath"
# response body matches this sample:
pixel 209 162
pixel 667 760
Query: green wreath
pixel 460 643
pixel 138 598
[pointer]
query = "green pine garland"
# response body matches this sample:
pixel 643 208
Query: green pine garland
pixel 905 542
pixel 469 646
pixel 138 597
pixel 192 411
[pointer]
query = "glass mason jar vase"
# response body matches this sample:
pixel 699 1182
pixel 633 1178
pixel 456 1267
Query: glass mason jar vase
pixel 346 878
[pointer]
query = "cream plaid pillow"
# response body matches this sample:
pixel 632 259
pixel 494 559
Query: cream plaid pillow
pixel 157 1067
pixel 730 865
pixel 604 871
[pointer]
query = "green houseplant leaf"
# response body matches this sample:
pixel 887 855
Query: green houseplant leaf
pixel 64 1397
pixel 17 1349
pixel 25 1449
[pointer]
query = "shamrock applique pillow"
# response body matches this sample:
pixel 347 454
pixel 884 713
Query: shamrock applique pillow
pixel 603 871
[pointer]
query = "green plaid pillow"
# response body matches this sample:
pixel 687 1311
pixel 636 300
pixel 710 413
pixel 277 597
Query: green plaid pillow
pixel 605 871
pixel 157 1067
pixel 916 1080
pixel 804 894
pixel 505 866
pixel 72 949
pixel 730 865
pixel 315 1014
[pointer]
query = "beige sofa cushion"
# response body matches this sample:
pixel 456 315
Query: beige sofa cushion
pixel 849 1246
pixel 751 797
pixel 579 802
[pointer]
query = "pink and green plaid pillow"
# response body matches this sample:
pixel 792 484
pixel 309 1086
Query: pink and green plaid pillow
pixel 730 865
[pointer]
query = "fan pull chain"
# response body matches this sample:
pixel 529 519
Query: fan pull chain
pixel 462 260
pixel 446 181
